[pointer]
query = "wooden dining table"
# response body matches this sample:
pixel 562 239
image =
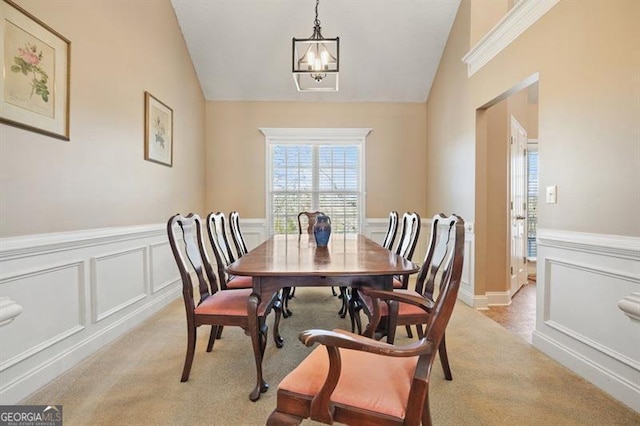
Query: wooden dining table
pixel 350 260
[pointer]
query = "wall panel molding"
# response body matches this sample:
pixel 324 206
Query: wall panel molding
pixel 89 286
pixel 25 289
pixel 163 271
pixel 582 279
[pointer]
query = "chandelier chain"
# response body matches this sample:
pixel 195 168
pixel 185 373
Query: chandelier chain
pixel 317 21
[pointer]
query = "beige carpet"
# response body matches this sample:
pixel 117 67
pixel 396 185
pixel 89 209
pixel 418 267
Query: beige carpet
pixel 499 379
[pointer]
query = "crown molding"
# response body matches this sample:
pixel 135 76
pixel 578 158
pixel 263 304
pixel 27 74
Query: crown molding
pixel 521 16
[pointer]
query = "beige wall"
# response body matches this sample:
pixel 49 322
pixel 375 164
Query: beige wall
pixel 587 120
pixel 450 129
pixel 396 175
pixel 100 178
pixel 485 15
pixel 586 54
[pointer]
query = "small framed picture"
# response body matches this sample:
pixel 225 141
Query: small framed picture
pixel 158 131
pixel 34 73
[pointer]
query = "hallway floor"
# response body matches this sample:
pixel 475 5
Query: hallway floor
pixel 519 317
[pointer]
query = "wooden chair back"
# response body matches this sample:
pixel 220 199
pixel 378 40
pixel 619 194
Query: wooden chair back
pixel 236 234
pixel 189 247
pixel 440 246
pixel 409 235
pixel 391 230
pixel 310 219
pixel 220 244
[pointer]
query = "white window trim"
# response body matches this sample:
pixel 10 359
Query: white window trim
pixel 339 136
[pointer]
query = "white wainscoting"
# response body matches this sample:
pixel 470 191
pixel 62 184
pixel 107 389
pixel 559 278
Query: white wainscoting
pixel 582 278
pixel 78 291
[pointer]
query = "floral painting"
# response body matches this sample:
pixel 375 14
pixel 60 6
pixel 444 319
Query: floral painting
pixel 28 85
pixel 158 131
pixel 34 73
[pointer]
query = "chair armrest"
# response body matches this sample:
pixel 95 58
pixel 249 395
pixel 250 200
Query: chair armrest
pixel 419 301
pixel 344 339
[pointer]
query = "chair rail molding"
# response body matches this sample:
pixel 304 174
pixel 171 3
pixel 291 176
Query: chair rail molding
pixel 520 17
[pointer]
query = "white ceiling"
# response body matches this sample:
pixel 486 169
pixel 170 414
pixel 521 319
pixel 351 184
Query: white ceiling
pixel 389 49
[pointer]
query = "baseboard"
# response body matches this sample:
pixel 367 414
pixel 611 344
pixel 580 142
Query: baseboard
pixel 623 390
pixel 32 380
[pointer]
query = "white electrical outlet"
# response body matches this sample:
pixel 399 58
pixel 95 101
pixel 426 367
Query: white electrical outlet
pixel 552 194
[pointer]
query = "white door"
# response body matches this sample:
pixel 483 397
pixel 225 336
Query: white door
pixel 518 205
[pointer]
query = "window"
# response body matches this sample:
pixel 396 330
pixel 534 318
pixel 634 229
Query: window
pixel 315 170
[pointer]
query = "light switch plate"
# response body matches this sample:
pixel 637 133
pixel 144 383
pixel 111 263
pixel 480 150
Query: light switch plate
pixel 551 194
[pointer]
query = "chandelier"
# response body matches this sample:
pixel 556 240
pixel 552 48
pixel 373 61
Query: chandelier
pixel 316 61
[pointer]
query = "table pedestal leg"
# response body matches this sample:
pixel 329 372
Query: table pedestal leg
pixel 257 337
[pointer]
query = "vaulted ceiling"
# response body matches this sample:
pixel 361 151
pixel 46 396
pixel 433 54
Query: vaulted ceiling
pixel 389 49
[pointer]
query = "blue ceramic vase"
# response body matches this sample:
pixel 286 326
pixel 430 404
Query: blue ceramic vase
pixel 322 230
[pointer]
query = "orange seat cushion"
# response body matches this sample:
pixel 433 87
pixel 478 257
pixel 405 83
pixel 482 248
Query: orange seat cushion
pixel 367 381
pixel 240 282
pixel 228 303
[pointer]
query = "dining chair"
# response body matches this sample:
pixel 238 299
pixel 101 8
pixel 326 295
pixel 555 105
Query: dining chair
pixel 310 220
pixel 236 234
pixel 407 244
pixel 432 267
pixel 216 229
pixel 354 379
pixel 392 229
pixel 215 307
pixel 406 247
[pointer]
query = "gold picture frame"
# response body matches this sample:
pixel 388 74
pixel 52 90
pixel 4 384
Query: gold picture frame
pixel 158 131
pixel 34 73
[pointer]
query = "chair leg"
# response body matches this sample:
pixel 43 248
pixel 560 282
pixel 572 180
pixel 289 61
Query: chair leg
pixel 212 337
pixel 282 419
pixel 345 302
pixel 426 412
pixel 409 333
pixel 191 348
pixel 444 359
pixel 286 295
pixel 279 341
pixel 354 314
pixel 333 291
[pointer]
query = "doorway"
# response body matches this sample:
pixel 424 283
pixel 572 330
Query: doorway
pixel 505 243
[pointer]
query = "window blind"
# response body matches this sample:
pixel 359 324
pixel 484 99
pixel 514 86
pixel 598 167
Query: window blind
pixel 532 202
pixel 315 177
